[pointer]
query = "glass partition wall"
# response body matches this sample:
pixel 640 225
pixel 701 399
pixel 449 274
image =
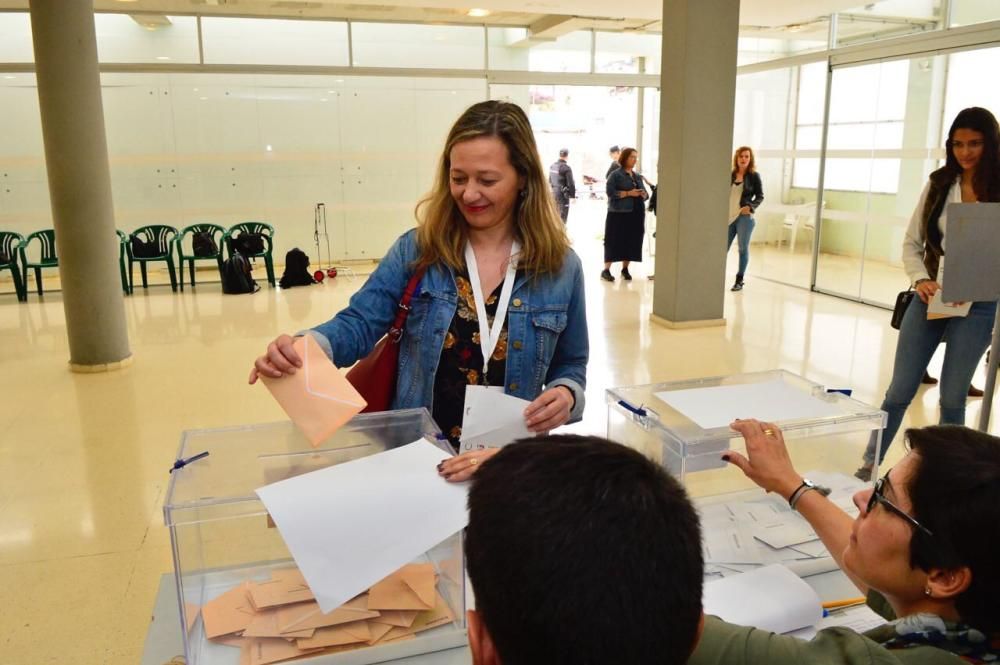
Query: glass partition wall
pixel 225 119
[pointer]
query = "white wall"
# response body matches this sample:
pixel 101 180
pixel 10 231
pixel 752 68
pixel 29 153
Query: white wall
pixel 230 148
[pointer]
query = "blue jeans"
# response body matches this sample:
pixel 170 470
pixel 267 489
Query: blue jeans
pixel 966 338
pixel 742 226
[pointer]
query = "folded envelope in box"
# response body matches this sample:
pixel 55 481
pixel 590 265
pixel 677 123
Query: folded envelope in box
pixel 317 398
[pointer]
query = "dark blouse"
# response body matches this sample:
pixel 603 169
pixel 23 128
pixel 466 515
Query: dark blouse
pixel 461 361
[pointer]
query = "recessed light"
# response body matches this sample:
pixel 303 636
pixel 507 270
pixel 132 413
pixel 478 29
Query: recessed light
pixel 323 99
pixel 268 148
pixel 478 12
pixel 203 98
pixel 163 57
pixel 10 77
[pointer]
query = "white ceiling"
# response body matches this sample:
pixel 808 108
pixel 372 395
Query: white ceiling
pixel 634 14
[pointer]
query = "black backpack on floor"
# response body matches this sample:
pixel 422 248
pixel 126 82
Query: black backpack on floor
pixel 296 270
pixel 236 277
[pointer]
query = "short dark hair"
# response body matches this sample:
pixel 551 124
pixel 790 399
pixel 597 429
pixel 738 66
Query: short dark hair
pixel 614 148
pixel 564 152
pixel 583 552
pixel 955 492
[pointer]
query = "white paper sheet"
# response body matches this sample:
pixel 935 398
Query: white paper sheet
pixel 784 531
pixel 788 603
pixel 730 545
pixel 772 401
pixel 348 526
pixel 937 308
pixel 859 618
pixel 492 419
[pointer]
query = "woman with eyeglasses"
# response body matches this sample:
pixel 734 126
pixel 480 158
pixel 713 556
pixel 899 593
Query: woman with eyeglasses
pixel 971 173
pixel 924 549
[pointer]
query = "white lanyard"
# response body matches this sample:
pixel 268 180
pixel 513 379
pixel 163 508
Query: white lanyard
pixel 488 338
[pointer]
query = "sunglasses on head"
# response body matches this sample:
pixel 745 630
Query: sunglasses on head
pixel 878 496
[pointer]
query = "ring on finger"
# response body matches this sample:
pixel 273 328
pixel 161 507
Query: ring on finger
pixel 768 431
pixel 474 461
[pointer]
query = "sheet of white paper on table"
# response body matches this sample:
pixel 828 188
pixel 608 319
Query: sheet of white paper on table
pixel 813 549
pixel 859 618
pixel 784 531
pixel 492 419
pixel 772 401
pixel 730 545
pixel 350 525
pixel 789 603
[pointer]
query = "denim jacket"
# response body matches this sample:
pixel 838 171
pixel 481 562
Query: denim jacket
pixel 546 328
pixel 619 181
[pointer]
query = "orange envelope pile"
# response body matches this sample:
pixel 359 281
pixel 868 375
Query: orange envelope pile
pixel 278 620
pixel 317 397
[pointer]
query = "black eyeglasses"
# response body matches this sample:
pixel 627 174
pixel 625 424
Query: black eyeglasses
pixel 878 496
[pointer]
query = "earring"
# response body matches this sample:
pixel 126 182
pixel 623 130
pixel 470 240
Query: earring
pixel 523 193
pixel 927 591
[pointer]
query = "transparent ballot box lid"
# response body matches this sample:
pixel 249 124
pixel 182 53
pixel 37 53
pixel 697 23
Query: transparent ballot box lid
pixel 242 598
pixel 684 425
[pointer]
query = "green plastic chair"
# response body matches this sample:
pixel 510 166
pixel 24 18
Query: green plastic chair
pixel 163 236
pixel 218 232
pixel 267 231
pixel 46 241
pixel 122 255
pixel 10 244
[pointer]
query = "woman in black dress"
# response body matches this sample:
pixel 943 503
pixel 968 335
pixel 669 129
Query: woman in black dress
pixel 625 225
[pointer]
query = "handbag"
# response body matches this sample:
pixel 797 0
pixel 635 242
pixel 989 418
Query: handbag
pixel 903 301
pixel 374 376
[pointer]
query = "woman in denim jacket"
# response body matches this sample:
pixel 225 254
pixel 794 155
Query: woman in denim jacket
pixel 488 227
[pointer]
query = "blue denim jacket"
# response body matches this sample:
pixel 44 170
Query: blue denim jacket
pixel 546 329
pixel 620 181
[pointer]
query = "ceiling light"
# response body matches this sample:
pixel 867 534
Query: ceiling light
pixel 163 57
pixel 478 13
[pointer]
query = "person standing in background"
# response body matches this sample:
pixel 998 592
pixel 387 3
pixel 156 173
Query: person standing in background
pixel 746 193
pixel 625 224
pixel 615 153
pixel 563 186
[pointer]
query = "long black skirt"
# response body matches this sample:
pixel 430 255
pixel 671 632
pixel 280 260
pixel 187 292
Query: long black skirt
pixel 623 234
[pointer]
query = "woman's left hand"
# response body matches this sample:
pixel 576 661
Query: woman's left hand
pixel 550 410
pixel 461 467
pixel 769 464
pixel 745 210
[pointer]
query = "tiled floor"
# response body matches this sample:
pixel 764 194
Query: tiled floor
pixel 84 459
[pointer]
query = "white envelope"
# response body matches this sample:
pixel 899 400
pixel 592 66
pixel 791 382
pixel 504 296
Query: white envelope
pixel 492 419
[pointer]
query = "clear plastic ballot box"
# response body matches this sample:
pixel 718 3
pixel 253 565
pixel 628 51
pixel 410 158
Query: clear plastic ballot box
pixel 222 536
pixel 684 425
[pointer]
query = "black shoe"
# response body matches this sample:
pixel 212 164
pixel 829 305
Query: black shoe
pixel 607 276
pixel 928 380
pixel 738 286
pixel 626 275
pixel 864 473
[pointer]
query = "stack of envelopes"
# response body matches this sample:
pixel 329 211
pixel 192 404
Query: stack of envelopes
pixel 279 620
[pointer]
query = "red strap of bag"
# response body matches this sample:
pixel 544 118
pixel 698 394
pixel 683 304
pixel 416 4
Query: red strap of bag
pixel 403 308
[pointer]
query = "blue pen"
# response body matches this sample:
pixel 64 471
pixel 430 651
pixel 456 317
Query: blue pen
pixel 181 463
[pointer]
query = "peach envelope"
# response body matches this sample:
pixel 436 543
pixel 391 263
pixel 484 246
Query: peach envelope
pixel 317 398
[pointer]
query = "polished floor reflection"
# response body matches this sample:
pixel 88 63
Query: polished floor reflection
pixel 85 458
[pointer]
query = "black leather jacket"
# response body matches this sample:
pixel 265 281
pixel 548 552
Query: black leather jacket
pixel 753 190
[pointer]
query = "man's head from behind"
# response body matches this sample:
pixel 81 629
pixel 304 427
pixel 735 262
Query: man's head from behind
pixel 581 552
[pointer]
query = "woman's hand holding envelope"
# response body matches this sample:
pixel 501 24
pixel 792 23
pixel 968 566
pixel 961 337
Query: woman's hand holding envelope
pixel 280 359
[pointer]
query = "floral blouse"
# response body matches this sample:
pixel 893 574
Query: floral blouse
pixel 461 361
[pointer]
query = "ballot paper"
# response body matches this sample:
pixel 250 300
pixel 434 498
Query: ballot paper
pixel 773 401
pixel 733 544
pixel 788 604
pixel 937 308
pixel 350 525
pixel 492 419
pixel 859 618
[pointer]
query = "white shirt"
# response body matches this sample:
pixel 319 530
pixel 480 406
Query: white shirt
pixel 913 241
pixel 735 192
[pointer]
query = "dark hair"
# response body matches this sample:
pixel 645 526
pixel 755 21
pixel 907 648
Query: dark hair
pixel 955 492
pixel 626 153
pixel 583 552
pixel 986 182
pixel 564 152
pixel 614 148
